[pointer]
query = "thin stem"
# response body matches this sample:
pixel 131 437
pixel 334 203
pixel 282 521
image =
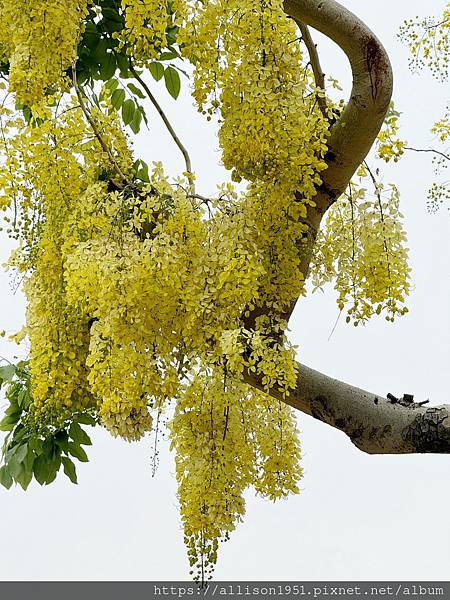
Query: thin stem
pixel 429 150
pixel 94 127
pixel 314 59
pixel 167 123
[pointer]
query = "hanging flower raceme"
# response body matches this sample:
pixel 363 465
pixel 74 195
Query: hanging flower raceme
pixel 39 40
pixel 248 64
pixel 214 416
pixel 139 290
pixel 147 23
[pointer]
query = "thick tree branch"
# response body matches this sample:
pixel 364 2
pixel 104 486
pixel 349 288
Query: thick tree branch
pixel 352 136
pixel 354 133
pixel 375 424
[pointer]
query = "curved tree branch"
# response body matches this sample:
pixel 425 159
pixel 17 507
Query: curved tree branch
pixel 352 136
pixel 375 425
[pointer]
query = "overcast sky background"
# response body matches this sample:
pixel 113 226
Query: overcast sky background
pixel 358 516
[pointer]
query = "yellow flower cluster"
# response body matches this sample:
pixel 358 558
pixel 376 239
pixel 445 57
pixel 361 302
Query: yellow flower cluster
pixel 215 416
pixel 47 164
pixel 248 63
pixel 388 145
pixel 429 43
pixel 146 22
pixel 442 127
pixel 39 40
pixel 363 249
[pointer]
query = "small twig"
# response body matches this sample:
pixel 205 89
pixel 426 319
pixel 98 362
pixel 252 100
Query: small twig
pixel 226 415
pixel 428 150
pixel 167 123
pixel 94 127
pixel 319 76
pixel 434 25
pixel 202 198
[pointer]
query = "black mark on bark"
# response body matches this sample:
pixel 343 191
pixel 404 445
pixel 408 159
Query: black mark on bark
pixel 373 64
pixel 430 431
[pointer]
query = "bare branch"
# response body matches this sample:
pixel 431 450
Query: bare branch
pixel 432 150
pixel 166 121
pixel 95 129
pixel 375 424
pixel 314 60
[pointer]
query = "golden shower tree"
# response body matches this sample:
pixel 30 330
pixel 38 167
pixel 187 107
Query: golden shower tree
pixel 151 305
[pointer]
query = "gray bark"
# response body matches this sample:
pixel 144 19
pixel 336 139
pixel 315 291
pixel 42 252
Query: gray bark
pixel 375 425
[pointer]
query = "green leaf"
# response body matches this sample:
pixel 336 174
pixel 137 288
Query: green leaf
pixel 117 98
pixel 36 444
pixel 45 468
pixel 108 66
pixel 26 475
pixel 7 372
pixel 141 169
pixel 128 110
pixel 124 65
pixel 136 91
pixel 136 122
pixel 168 55
pixel 78 452
pixel 86 419
pixel 69 469
pixel 5 478
pixel 144 116
pixel 10 421
pixel 53 468
pixel 156 70
pixel 173 83
pixel 23 398
pixel 99 48
pixel 61 440
pixel 13 409
pixel 40 469
pixel 27 114
pixel 16 458
pixel 171 34
pixel 79 435
pixel 112 85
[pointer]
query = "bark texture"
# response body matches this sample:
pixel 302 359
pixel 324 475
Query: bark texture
pixel 375 425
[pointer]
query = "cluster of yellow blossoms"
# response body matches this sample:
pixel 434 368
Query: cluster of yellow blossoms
pixel 363 250
pixel 146 23
pixel 214 417
pixel 429 42
pixel 39 40
pixel 139 293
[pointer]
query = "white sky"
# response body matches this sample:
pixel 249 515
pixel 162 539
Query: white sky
pixel 358 516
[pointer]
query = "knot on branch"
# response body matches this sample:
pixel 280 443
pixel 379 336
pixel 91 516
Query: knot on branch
pixel 406 400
